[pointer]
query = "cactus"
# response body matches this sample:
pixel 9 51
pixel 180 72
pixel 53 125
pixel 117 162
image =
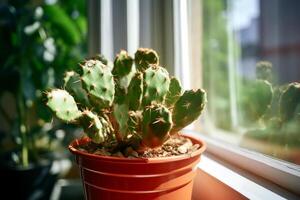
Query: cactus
pixel 134 123
pixel 98 81
pixel 156 84
pixel 174 92
pixel 93 126
pixel 156 124
pixel 72 84
pixel 143 57
pixel 135 92
pixel 63 105
pixel 122 64
pixel 274 108
pixel 120 112
pixel 188 108
pixel 126 106
pixel 289 101
pixel 261 98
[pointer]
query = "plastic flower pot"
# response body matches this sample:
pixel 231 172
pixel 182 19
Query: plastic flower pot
pixel 106 177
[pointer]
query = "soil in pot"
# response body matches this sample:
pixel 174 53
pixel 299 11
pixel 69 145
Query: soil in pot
pixel 174 146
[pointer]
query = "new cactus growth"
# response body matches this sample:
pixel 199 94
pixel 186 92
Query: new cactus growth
pixel 135 102
pixel 122 64
pixel 143 57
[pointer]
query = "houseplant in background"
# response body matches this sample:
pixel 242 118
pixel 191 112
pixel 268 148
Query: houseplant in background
pixel 131 112
pixel 34 44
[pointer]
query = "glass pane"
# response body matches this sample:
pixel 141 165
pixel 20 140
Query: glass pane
pixel 251 59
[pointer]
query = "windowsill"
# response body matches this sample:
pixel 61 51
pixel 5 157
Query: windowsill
pixel 221 178
pixel 217 180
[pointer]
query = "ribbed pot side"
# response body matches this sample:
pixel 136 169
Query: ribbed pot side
pixel 105 177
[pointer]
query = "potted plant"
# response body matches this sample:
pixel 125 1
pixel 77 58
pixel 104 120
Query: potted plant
pixel 33 44
pixel 131 112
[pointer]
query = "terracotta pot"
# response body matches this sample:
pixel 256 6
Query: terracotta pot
pixel 115 178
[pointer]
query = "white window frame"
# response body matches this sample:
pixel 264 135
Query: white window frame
pixel 186 52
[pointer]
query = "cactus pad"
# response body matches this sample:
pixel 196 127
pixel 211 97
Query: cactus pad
pixel 289 101
pixel 98 82
pixel 120 112
pixel 134 120
pixel 63 105
pixel 135 91
pixel 156 84
pixel 156 124
pixel 174 92
pixel 143 57
pixel 122 64
pixel 258 99
pixel 93 126
pixel 188 108
pixel 72 84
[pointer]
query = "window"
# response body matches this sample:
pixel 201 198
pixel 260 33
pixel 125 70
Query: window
pixel 217 45
pixel 248 99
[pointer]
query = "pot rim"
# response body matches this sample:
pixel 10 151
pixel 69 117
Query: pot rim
pixel 76 142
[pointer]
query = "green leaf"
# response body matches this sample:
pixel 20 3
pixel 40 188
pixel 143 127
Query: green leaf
pixel 63 23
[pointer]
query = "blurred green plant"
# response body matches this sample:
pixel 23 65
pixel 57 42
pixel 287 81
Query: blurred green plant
pixel 273 110
pixel 37 38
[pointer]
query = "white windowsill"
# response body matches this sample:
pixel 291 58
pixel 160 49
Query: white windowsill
pixel 249 184
pixel 240 183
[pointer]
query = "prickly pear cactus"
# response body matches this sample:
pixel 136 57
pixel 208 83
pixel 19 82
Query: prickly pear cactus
pixel 289 101
pixel 97 80
pixel 134 103
pixel 63 105
pixel 156 124
pixel 143 57
pixel 93 126
pixel 122 64
pixel 72 84
pixel 135 91
pixel 156 84
pixel 188 108
pixel 174 92
pixel 120 112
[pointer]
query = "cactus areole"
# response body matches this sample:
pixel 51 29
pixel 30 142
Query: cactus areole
pixel 131 111
pixel 131 102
